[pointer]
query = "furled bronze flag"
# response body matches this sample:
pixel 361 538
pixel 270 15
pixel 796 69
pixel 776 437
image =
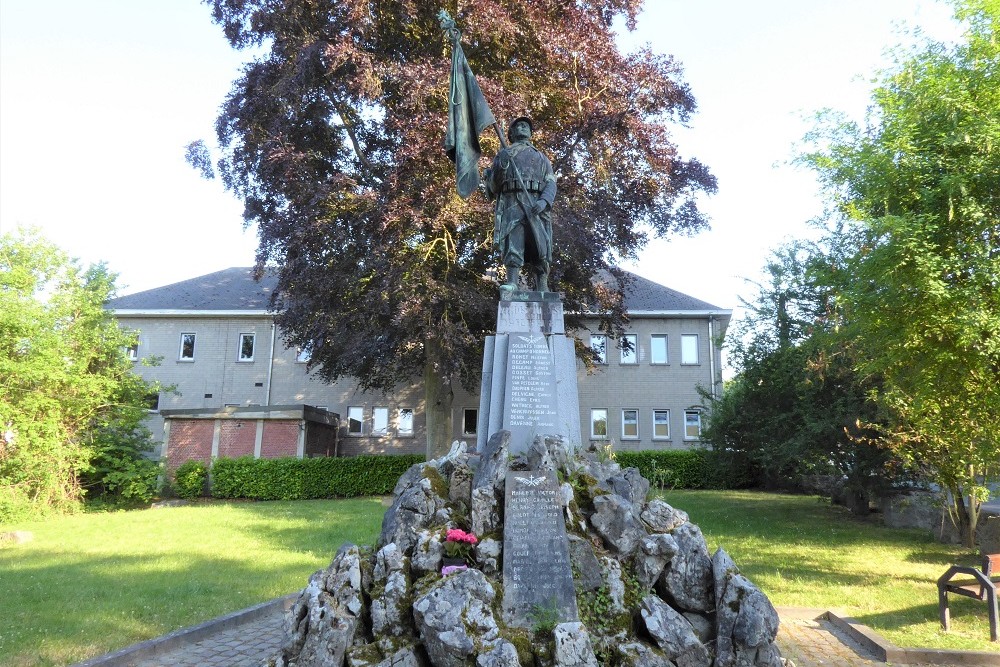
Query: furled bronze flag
pixel 468 116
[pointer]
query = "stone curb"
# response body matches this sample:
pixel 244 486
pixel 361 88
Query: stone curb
pixel 154 647
pixel 885 650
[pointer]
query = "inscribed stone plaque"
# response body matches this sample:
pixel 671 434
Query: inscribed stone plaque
pixel 536 569
pixel 530 401
pixel 530 317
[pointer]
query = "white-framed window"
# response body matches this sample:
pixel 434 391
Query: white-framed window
pixel 658 349
pixel 186 352
pixel 404 422
pixel 599 423
pixel 661 424
pixel 355 420
pixel 692 424
pixel 247 343
pixel 629 349
pixel 630 424
pixel 689 348
pixel 132 351
pixel 470 421
pixel 304 354
pixel 599 344
pixel 380 421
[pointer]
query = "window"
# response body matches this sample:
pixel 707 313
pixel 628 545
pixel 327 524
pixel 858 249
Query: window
pixel 692 424
pixel 132 352
pixel 404 422
pixel 355 418
pixel 187 347
pixel 246 346
pixel 630 424
pixel 380 421
pixel 304 354
pixel 689 348
pixel 598 423
pixel 630 349
pixel 661 424
pixel 599 344
pixel 658 349
pixel 470 421
pixel 153 401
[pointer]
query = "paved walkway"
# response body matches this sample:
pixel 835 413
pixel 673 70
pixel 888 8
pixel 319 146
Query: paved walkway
pixel 806 643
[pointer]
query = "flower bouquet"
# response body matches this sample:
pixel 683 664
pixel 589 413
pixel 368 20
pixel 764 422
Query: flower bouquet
pixel 458 549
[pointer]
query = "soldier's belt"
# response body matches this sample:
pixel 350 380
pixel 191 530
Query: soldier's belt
pixel 530 186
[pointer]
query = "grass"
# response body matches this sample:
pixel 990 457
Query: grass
pixel 93 583
pixel 89 584
pixel 803 552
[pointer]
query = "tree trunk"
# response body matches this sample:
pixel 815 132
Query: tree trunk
pixel 973 518
pixel 438 400
pixel 966 524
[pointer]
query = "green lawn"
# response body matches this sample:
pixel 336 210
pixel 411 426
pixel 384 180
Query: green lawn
pixel 803 552
pixel 93 583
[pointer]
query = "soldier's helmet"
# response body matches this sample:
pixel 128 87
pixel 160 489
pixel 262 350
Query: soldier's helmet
pixel 531 128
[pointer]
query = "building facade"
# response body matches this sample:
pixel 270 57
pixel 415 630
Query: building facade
pixel 213 345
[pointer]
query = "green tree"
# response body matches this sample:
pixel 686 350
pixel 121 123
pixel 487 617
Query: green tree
pixel 919 183
pixel 333 139
pixel 797 409
pixel 65 379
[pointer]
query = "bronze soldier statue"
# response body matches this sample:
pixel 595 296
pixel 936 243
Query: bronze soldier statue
pixel 524 187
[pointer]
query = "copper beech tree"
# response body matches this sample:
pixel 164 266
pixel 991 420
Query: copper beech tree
pixel 332 137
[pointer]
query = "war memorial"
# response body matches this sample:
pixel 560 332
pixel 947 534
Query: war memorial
pixel 528 550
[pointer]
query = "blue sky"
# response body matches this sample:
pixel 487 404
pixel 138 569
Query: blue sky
pixel 99 98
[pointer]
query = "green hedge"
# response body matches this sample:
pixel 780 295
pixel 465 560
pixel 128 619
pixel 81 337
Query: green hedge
pixel 682 469
pixel 300 479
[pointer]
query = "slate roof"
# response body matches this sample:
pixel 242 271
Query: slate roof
pixel 231 289
pixel 234 289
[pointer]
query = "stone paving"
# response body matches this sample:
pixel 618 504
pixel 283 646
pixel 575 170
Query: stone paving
pixel 806 643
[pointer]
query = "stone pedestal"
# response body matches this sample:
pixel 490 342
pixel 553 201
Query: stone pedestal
pixel 529 373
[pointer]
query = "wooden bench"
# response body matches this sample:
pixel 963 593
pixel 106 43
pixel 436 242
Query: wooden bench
pixel 982 586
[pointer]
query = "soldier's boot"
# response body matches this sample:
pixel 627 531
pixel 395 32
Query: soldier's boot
pixel 513 273
pixel 542 281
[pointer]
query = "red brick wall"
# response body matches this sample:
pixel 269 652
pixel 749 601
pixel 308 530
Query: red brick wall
pixel 190 439
pixel 281 438
pixel 236 437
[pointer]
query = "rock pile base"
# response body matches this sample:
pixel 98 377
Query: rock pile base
pixel 648 592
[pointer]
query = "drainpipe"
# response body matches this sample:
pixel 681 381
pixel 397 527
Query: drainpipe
pixel 270 368
pixel 711 353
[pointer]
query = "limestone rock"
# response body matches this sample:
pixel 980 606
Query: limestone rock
pixel 638 654
pixel 390 612
pixel 503 654
pixel 485 510
pixel 488 555
pixel 585 565
pixel 460 484
pixel 661 517
pixel 687 580
pixel 616 520
pixel 427 553
pixel 631 485
pixel 746 622
pixel 323 622
pixel 454 616
pixel 403 657
pixel 492 469
pixel 572 646
pixel 673 634
pixel 456 455
pixel 612 571
pixel 653 555
pixel 414 508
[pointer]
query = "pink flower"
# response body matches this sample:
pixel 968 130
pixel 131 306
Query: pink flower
pixel 459 535
pixel 452 569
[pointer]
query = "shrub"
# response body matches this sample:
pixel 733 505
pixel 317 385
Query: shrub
pixel 189 479
pixel 682 469
pixel 299 479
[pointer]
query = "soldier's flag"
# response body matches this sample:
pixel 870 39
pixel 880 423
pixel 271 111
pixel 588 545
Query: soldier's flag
pixel 468 116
